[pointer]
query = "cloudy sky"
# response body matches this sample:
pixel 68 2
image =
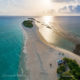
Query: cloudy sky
pixel 39 7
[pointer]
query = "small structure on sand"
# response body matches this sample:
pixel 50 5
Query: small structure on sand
pixel 60 62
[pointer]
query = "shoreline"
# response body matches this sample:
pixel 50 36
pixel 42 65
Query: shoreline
pixel 23 57
pixel 57 48
pixel 61 32
pixel 39 55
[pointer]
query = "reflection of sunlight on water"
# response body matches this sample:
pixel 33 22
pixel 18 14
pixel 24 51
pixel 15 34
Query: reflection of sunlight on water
pixel 53 32
pixel 47 19
pixel 46 32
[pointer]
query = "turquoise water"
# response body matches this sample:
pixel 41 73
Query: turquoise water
pixel 11 44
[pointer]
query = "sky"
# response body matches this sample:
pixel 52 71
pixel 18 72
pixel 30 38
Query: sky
pixel 39 7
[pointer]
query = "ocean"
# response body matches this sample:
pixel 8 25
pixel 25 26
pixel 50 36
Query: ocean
pixel 12 41
pixel 11 45
pixel 70 24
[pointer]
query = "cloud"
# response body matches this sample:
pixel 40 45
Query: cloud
pixel 76 9
pixel 27 7
pixel 70 9
pixel 63 10
pixel 30 7
pixel 64 1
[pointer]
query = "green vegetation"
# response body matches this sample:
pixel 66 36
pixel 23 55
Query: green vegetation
pixel 77 49
pixel 61 69
pixel 69 71
pixel 28 24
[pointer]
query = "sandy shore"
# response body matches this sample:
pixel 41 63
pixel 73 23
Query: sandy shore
pixel 39 55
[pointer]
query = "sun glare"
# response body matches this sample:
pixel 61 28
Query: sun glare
pixel 47 3
pixel 47 19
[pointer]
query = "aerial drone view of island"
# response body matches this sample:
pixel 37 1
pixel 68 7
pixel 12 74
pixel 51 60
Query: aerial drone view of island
pixel 40 40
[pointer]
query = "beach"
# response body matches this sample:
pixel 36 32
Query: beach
pixel 40 55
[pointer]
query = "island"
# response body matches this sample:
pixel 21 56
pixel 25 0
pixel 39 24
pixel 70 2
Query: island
pixel 28 23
